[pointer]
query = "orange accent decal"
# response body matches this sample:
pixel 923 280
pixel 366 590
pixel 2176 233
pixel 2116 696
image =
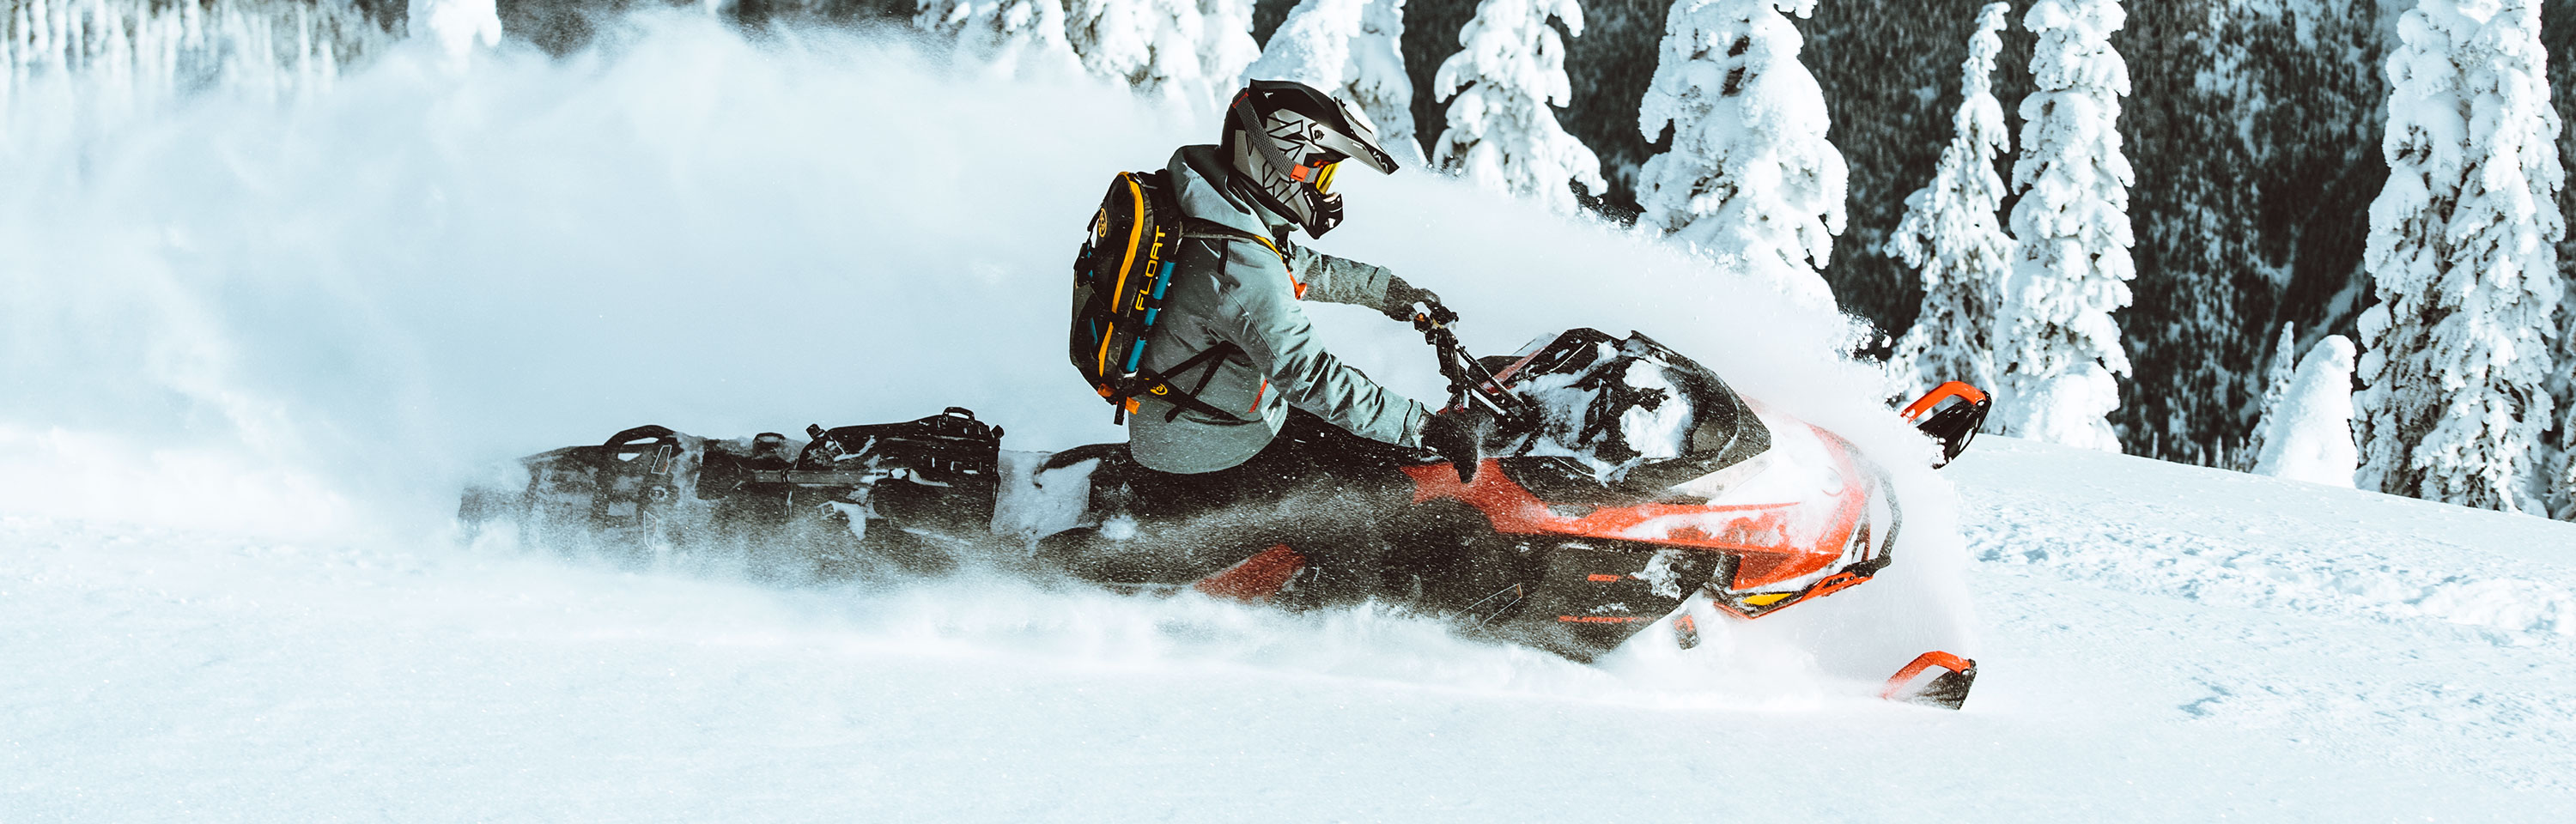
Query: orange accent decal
pixel 1768 551
pixel 1135 233
pixel 1254 579
pixel 1832 584
pixel 1256 396
pixel 1602 578
pixel 1108 332
pixel 1599 619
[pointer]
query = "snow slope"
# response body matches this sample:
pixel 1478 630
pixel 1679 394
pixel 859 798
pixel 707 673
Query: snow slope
pixel 2163 643
pixel 2410 658
pixel 267 337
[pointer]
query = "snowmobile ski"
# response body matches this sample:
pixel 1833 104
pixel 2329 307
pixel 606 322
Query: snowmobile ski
pixel 1933 679
pixel 1954 425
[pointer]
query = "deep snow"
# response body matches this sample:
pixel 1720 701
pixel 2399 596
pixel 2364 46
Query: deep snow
pixel 2162 643
pixel 268 336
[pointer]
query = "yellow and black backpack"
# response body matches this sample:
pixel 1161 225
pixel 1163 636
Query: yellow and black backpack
pixel 1118 281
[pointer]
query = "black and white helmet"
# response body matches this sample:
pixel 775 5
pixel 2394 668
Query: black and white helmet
pixel 1285 138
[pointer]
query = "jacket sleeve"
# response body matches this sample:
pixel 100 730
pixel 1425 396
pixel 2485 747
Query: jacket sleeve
pixel 1330 279
pixel 1275 334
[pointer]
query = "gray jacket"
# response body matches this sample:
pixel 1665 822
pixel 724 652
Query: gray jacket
pixel 1241 292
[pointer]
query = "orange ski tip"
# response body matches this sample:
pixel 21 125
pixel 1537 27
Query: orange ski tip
pixel 1946 391
pixel 1904 678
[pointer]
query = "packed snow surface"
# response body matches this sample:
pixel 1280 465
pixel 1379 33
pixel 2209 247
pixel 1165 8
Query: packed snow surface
pixel 2162 643
pixel 270 337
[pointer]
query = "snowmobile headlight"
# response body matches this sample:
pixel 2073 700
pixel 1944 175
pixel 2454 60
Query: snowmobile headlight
pixel 1753 604
pixel 1758 604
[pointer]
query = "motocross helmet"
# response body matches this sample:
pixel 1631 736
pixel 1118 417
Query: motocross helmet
pixel 1284 139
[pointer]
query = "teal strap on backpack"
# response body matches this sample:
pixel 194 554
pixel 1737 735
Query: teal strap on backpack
pixel 1119 280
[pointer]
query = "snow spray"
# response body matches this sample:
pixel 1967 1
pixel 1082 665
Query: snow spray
pixel 317 312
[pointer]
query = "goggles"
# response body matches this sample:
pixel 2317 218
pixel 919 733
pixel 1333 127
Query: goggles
pixel 1319 173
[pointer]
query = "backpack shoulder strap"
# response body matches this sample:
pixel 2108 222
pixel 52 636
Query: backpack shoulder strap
pixel 1204 229
pixel 1206 362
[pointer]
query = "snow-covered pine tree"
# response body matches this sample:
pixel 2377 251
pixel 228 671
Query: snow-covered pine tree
pixel 1952 232
pixel 2463 259
pixel 2276 384
pixel 1750 177
pixel 2059 349
pixel 1192 51
pixel 455 26
pixel 1381 85
pixel 1501 134
pixel 2309 430
pixel 2558 36
pixel 1350 49
pixel 2562 500
pixel 1312 46
pixel 1010 33
pixel 1227 45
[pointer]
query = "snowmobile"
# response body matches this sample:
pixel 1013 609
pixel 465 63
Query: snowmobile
pixel 1626 485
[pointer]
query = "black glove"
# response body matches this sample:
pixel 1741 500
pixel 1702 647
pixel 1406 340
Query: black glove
pixel 1401 296
pixel 1459 437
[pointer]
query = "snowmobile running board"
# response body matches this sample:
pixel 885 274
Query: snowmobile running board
pixel 810 477
pixel 1948 688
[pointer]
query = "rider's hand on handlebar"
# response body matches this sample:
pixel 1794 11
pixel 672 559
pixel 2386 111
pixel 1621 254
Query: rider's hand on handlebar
pixel 1401 297
pixel 1459 437
pixel 1440 314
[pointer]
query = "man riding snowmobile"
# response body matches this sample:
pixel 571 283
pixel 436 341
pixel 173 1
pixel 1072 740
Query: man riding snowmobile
pixel 1632 495
pixel 1271 409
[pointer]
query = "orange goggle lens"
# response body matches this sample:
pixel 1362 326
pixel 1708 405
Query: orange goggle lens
pixel 1324 179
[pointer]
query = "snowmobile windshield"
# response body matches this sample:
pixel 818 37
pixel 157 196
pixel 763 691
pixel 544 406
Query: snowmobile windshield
pixel 1629 418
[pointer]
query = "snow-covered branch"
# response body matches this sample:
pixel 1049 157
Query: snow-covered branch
pixel 1011 34
pixel 1191 51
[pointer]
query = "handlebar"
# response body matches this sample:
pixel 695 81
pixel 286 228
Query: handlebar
pixel 1469 381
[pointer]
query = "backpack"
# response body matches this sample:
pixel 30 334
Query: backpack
pixel 1118 280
